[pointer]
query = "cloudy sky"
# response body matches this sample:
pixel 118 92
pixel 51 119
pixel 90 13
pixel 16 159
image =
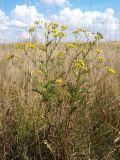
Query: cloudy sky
pixel 94 15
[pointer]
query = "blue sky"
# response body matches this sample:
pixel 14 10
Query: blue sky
pixel 94 15
pixel 99 5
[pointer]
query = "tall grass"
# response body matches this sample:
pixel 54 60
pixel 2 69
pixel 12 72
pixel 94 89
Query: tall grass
pixel 29 130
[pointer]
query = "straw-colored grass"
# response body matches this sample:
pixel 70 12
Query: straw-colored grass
pixel 92 133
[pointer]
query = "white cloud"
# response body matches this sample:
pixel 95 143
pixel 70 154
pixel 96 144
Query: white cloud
pixel 26 35
pixel 3 20
pixel 15 26
pixel 26 14
pixel 104 22
pixel 57 2
pixel 18 22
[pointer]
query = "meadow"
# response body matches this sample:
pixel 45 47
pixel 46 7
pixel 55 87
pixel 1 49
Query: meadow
pixel 56 100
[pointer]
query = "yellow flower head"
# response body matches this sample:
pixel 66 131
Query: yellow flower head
pixel 32 29
pixel 59 34
pixel 36 72
pixel 17 56
pixel 78 31
pixel 64 27
pixel 42 46
pixel 80 64
pixel 83 50
pixel 31 45
pixel 47 145
pixel 54 25
pixel 47 26
pixel 110 70
pixel 70 45
pixel 50 26
pixel 98 51
pixel 59 55
pixel 37 22
pixel 20 45
pixel 87 45
pixel 10 57
pixel 78 43
pixel 98 36
pixel 59 81
pixel 54 31
pixel 55 35
pixel 101 59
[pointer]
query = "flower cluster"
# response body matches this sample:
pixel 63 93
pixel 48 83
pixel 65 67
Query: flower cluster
pixel 64 27
pixel 20 45
pixel 31 45
pixel 12 57
pixel 84 50
pixel 98 36
pixel 98 51
pixel 42 46
pixel 80 64
pixel 59 34
pixel 78 31
pixel 59 55
pixel 32 29
pixel 110 70
pixel 59 81
pixel 36 72
pixel 70 45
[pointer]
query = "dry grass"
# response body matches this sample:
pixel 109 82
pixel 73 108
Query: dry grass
pixel 92 133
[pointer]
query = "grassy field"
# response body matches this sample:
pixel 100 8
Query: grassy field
pixel 34 129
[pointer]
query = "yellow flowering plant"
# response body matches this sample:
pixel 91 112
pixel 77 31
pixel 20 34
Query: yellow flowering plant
pixel 53 67
pixel 83 57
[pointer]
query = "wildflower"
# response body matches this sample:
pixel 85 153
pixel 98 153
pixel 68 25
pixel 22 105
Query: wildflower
pixel 78 31
pixel 83 50
pixel 54 25
pixel 10 57
pixel 17 57
pixel 98 36
pixel 37 22
pixel 98 51
pixel 31 45
pixel 47 145
pixel 36 72
pixel 55 35
pixel 19 45
pixel 87 45
pixel 70 45
pixel 88 34
pixel 42 46
pixel 59 55
pixel 101 59
pixel 111 70
pixel 64 27
pixel 78 43
pixel 51 26
pixel 59 34
pixel 32 29
pixel 80 64
pixel 54 31
pixel 59 81
pixel 47 26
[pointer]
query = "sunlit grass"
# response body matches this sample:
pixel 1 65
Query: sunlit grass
pixel 60 101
